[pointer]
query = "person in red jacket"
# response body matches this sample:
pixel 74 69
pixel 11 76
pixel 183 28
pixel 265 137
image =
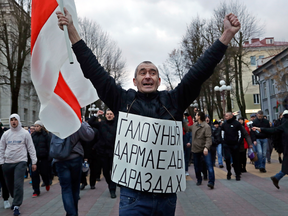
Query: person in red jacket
pixel 244 147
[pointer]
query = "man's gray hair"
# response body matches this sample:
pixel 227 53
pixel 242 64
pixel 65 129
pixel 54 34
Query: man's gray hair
pixel 260 112
pixel 144 62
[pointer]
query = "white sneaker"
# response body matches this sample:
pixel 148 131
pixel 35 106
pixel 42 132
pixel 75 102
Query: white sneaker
pixel 6 204
pixel 187 174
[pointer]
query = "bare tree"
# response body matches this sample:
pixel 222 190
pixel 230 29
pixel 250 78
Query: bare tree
pixel 14 45
pixel 106 51
pixel 250 27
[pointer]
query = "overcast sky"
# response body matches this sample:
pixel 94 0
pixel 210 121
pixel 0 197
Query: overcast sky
pixel 150 29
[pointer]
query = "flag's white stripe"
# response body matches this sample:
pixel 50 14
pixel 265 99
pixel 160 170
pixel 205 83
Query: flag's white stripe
pixel 49 56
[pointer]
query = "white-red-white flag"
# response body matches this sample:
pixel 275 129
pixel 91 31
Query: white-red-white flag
pixel 61 87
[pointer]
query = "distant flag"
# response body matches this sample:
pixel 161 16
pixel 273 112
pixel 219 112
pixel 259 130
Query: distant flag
pixel 277 105
pixel 61 87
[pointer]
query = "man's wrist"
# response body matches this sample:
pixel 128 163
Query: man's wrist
pixel 226 37
pixel 73 34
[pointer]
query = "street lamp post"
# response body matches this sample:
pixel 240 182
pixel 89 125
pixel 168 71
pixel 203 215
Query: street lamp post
pixel 222 90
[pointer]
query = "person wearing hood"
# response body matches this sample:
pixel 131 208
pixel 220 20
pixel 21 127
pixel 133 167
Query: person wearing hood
pixel 232 136
pixel 14 145
pixel 41 139
pixel 281 130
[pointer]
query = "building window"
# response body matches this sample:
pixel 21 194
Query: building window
pixel 256 98
pixel 285 81
pixel 25 116
pixel 273 87
pixel 253 60
pixel 269 41
pixel 264 90
pixel 254 80
pixel 267 114
pixel 34 116
pixel 261 56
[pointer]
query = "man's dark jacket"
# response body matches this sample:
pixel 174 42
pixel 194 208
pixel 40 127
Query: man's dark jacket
pixel 107 134
pixel 263 123
pixel 232 133
pixel 152 104
pixel 281 130
pixel 41 142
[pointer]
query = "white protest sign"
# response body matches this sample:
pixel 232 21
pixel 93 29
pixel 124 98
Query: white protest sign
pixel 148 154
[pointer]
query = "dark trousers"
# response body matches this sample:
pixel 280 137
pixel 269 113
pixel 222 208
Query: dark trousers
pixel 134 203
pixel 243 160
pixel 69 173
pixel 234 152
pixel 197 166
pixel 14 178
pixel 43 169
pixel 5 192
pixel 95 169
pixel 187 152
pixel 107 163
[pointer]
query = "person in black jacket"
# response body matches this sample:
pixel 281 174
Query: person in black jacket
pixel 41 140
pixel 5 192
pixel 260 140
pixel 277 142
pixel 231 135
pixel 105 145
pixel 282 131
pixel 149 102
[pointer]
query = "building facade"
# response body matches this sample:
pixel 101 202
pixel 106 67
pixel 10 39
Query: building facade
pixel 272 76
pixel 256 52
pixel 28 103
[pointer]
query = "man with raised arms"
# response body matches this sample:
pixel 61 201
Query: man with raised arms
pixel 148 101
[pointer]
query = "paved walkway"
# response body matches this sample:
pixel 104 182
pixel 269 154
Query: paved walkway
pixel 253 195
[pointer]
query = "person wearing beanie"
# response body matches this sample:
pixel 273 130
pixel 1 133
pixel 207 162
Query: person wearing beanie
pixel 14 145
pixel 283 131
pixel 41 139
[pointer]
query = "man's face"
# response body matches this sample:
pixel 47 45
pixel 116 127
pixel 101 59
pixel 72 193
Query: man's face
pixel 216 125
pixel 109 115
pixel 228 116
pixel 147 78
pixel 32 129
pixel 252 118
pixel 241 121
pixel 37 128
pixel 197 117
pixel 259 116
pixel 14 122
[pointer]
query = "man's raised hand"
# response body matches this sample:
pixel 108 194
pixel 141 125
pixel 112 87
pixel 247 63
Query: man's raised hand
pixel 231 23
pixel 231 27
pixel 68 21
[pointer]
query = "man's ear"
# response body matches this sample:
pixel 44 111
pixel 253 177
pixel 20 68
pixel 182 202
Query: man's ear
pixel 135 82
pixel 159 82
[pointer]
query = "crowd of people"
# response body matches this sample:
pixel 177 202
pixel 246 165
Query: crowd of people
pixel 94 142
pixel 229 139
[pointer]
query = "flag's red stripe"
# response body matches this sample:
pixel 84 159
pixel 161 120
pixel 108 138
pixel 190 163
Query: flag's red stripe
pixel 63 91
pixel 41 11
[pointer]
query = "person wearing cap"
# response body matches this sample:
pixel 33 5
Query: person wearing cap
pixel 283 131
pixel 41 139
pixel 14 145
